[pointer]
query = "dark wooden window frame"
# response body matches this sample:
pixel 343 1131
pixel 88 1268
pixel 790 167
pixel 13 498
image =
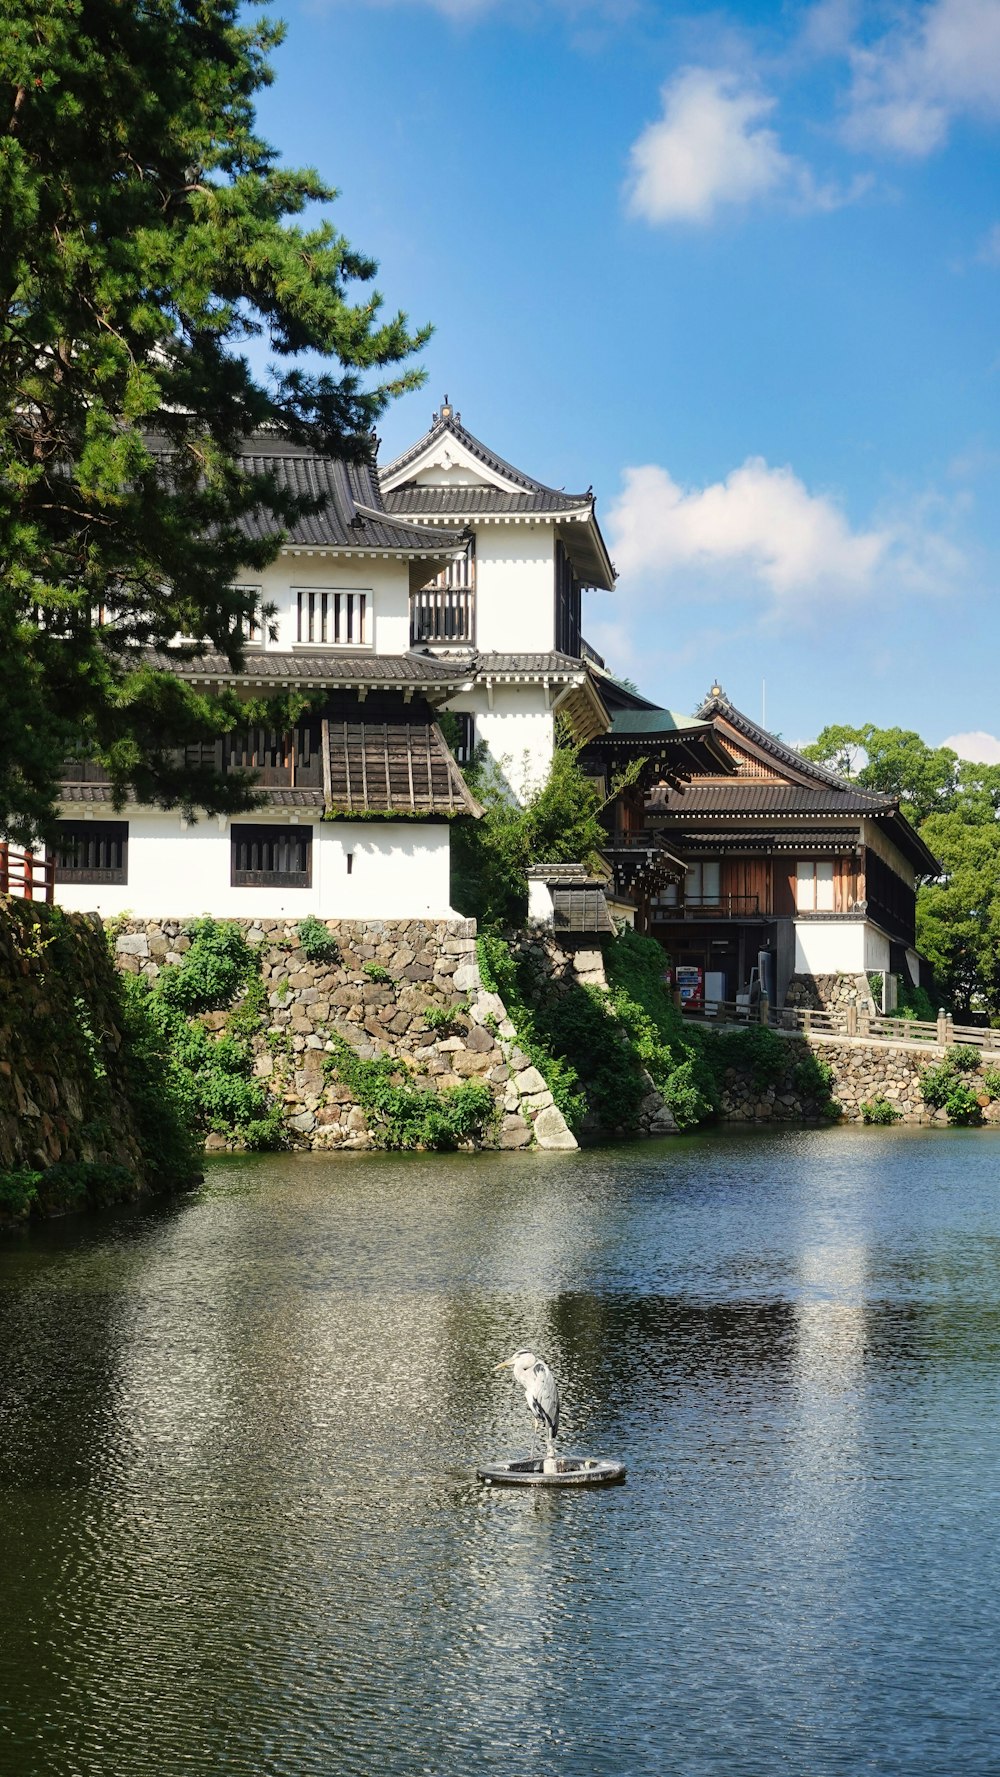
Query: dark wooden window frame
pixel 272 844
pixel 107 840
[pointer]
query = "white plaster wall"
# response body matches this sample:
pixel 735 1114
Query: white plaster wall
pixel 515 588
pixel 876 950
pixel 540 902
pixel 400 870
pixel 913 965
pixel 829 947
pixel 519 732
pixel 388 581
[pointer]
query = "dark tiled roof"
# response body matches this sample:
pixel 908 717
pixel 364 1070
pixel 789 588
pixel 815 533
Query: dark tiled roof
pixel 562 873
pixel 556 664
pixel 342 667
pixel 473 502
pixel 522 496
pixel 751 798
pixel 323 666
pixel 90 793
pixel 775 839
pixel 349 512
pixel 449 424
pixel 718 704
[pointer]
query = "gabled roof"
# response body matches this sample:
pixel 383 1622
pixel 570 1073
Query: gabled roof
pixel 494 491
pixel 348 514
pixel 446 423
pixel 672 745
pixel 768 748
pixel 798 788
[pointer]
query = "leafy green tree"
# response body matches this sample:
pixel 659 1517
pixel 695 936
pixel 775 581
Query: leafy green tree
pixel 149 236
pixel 954 803
pixel 896 763
pixel 558 824
pixel 958 915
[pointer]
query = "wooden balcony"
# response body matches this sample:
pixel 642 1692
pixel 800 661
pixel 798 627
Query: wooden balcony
pixel 723 906
pixel 442 614
pixel 445 609
pixel 277 760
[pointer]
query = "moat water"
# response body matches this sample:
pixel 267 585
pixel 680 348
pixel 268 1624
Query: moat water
pixel 240 1532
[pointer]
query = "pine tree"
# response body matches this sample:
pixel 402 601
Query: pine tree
pixel 147 237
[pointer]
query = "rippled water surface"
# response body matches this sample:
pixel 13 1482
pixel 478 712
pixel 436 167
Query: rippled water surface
pixel 241 1532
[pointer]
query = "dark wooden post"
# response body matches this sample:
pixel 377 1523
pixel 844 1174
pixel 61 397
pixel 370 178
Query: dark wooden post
pixel 4 868
pixel 29 875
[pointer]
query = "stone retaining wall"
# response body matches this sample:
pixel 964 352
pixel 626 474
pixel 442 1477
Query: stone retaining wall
pixel 830 993
pixel 64 1082
pixel 429 964
pixel 559 967
pixel 862 1070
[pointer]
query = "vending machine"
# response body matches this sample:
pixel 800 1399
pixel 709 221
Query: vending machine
pixel 690 978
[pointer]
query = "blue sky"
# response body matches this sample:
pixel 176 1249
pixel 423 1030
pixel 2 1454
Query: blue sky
pixel 737 268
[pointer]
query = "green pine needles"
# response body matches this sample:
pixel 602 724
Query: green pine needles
pixel 149 236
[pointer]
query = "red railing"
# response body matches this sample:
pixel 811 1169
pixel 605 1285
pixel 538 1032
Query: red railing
pixel 25 874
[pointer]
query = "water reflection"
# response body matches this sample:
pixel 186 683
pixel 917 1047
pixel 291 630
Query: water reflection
pixel 242 1534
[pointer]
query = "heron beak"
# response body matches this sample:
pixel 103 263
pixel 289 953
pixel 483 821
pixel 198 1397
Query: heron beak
pixel 506 1365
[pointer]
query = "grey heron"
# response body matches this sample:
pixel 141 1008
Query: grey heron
pixel 541 1391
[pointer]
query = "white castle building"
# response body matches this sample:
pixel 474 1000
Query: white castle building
pixel 451 582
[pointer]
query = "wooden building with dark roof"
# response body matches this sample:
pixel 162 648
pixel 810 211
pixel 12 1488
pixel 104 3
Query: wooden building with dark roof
pixel 764 852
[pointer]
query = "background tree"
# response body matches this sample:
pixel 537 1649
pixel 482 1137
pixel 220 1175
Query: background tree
pixel 894 762
pixel 148 236
pixel 954 804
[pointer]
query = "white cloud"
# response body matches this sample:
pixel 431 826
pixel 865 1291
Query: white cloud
pixel 712 147
pixel 939 62
pixel 760 531
pixel 977 745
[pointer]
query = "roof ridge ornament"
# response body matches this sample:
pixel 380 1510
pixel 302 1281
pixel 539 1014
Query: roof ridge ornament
pixel 717 692
pixel 445 414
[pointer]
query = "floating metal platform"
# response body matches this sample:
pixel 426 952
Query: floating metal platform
pixel 572 1471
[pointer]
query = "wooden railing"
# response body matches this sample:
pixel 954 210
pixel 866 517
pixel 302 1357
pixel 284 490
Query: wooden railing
pixel 26 875
pixel 852 1022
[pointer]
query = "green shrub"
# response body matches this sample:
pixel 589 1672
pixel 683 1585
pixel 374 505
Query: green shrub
pixel 963 1057
pixel 319 945
pixel 991 1081
pixel 752 1049
pixel 376 972
pixel 943 1088
pixel 879 1111
pixel 403 1116
pixel 206 1082
pixel 19 1192
pixel 499 974
pixel 218 964
pixel 812 1078
pixel 443 1018
pixel 68 1184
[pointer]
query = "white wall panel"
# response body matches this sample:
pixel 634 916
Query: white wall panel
pixel 400 870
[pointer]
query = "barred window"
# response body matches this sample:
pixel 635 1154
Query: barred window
pixel 91 851
pixel 465 742
pixel 271 857
pixel 334 619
